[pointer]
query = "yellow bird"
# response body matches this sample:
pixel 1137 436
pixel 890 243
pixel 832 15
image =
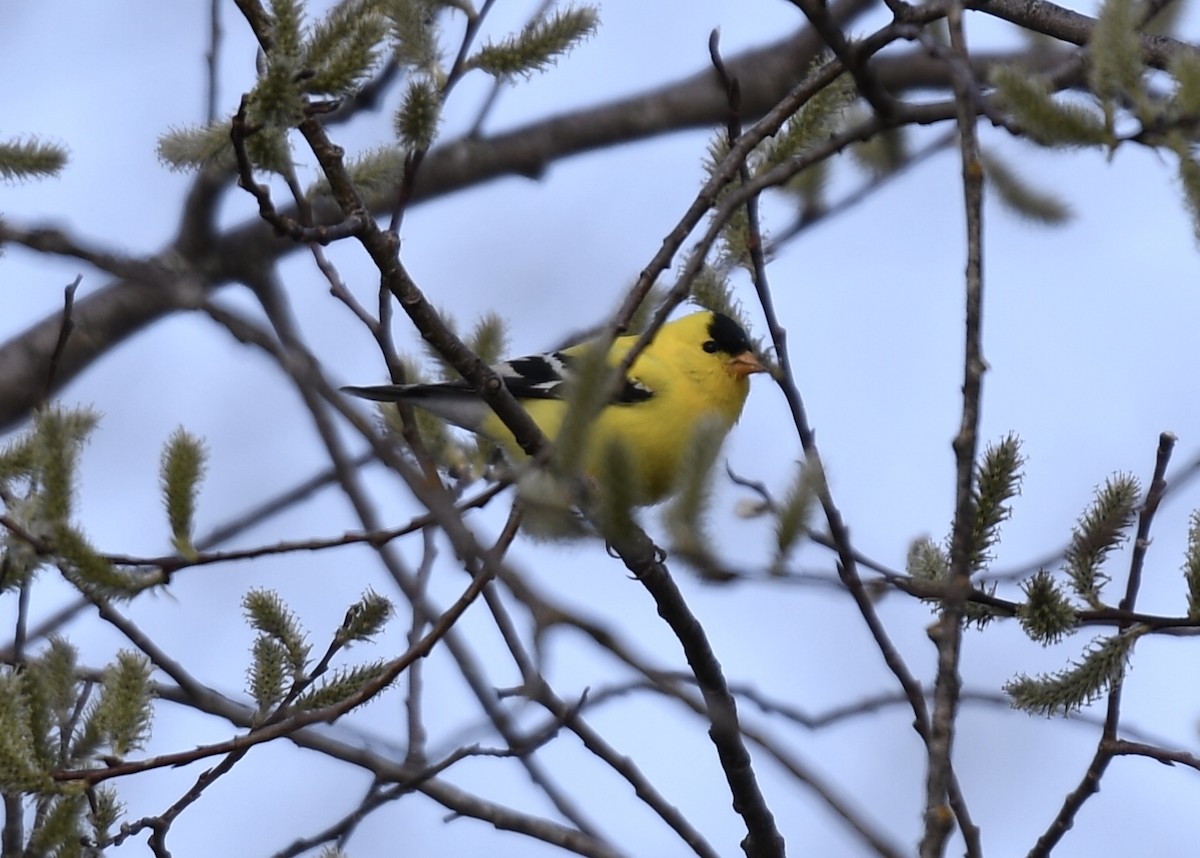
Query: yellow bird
pixel 695 370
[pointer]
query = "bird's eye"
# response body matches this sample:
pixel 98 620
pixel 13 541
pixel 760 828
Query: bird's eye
pixel 710 346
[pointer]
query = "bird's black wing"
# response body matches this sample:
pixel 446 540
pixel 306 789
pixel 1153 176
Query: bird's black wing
pixel 548 376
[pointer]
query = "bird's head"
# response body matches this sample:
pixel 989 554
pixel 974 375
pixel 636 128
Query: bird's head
pixel 725 339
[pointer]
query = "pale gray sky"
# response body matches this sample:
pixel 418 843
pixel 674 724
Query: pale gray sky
pixel 1089 333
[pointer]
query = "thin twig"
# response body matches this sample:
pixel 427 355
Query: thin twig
pixel 239 132
pixel 839 535
pixel 48 626
pixel 297 720
pixel 943 803
pixel 415 157
pixel 855 62
pixel 172 563
pixel 413 709
pixel 430 495
pixel 1165 756
pixel 1089 785
pixel 22 624
pixel 64 333
pixel 212 59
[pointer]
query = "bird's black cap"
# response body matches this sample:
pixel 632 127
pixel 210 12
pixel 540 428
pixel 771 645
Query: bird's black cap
pixel 728 335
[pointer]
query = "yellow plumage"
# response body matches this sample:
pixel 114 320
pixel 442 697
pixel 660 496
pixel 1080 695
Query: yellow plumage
pixel 695 371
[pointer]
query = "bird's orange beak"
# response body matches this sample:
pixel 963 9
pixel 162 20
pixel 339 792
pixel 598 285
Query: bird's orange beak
pixel 744 364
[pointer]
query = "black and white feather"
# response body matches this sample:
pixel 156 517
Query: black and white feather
pixel 544 376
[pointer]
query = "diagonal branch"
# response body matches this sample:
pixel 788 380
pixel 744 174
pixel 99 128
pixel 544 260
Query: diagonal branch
pixel 200 259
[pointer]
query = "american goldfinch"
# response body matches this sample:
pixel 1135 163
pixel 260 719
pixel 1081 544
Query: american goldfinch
pixel 696 369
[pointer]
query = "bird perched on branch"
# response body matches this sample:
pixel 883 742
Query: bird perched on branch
pixel 694 372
